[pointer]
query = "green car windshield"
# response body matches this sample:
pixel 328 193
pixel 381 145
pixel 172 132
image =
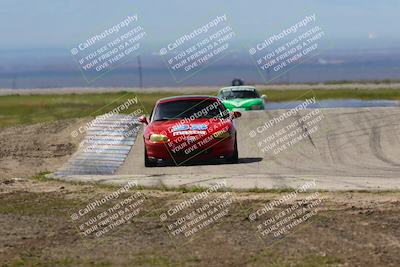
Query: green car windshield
pixel 228 94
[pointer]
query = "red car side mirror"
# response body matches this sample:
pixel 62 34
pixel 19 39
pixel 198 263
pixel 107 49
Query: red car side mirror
pixel 236 114
pixel 143 120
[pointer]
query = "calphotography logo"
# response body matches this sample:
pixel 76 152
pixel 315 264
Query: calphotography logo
pixel 106 214
pixel 129 104
pixel 290 127
pixel 187 219
pixel 195 50
pixel 278 218
pixel 109 48
pixel 281 51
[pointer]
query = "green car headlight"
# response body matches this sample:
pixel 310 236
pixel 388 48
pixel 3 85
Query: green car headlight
pixel 255 107
pixel 158 138
pixel 221 134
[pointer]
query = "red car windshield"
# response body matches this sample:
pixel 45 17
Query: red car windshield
pixel 189 108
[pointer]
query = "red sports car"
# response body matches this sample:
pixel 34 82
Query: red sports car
pixel 189 127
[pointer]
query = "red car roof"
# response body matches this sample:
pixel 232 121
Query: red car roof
pixel 186 97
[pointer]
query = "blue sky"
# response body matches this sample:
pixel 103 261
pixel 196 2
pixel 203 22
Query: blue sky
pixel 52 23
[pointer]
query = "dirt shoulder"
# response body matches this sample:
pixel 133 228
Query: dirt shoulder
pixel 26 150
pixel 350 229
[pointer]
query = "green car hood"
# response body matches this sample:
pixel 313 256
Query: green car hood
pixel 242 103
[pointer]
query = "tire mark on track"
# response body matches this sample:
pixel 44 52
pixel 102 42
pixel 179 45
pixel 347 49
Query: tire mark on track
pixel 376 147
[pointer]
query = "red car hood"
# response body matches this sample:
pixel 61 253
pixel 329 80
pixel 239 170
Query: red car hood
pixel 179 127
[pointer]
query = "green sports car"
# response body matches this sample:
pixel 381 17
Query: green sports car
pixel 241 98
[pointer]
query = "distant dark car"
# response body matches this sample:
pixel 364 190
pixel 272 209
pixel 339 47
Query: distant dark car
pixel 237 82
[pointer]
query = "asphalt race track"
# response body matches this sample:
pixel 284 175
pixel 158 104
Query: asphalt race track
pixel 339 148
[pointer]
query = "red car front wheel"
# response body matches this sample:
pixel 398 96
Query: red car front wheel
pixel 235 155
pixel 147 161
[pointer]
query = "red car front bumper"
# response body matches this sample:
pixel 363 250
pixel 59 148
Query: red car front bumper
pixel 182 151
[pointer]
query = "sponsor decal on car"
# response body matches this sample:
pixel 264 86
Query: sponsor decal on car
pixel 182 127
pixel 199 127
pixel 189 132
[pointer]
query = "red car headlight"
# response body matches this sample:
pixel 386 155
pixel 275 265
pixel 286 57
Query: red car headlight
pixel 221 134
pixel 158 138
